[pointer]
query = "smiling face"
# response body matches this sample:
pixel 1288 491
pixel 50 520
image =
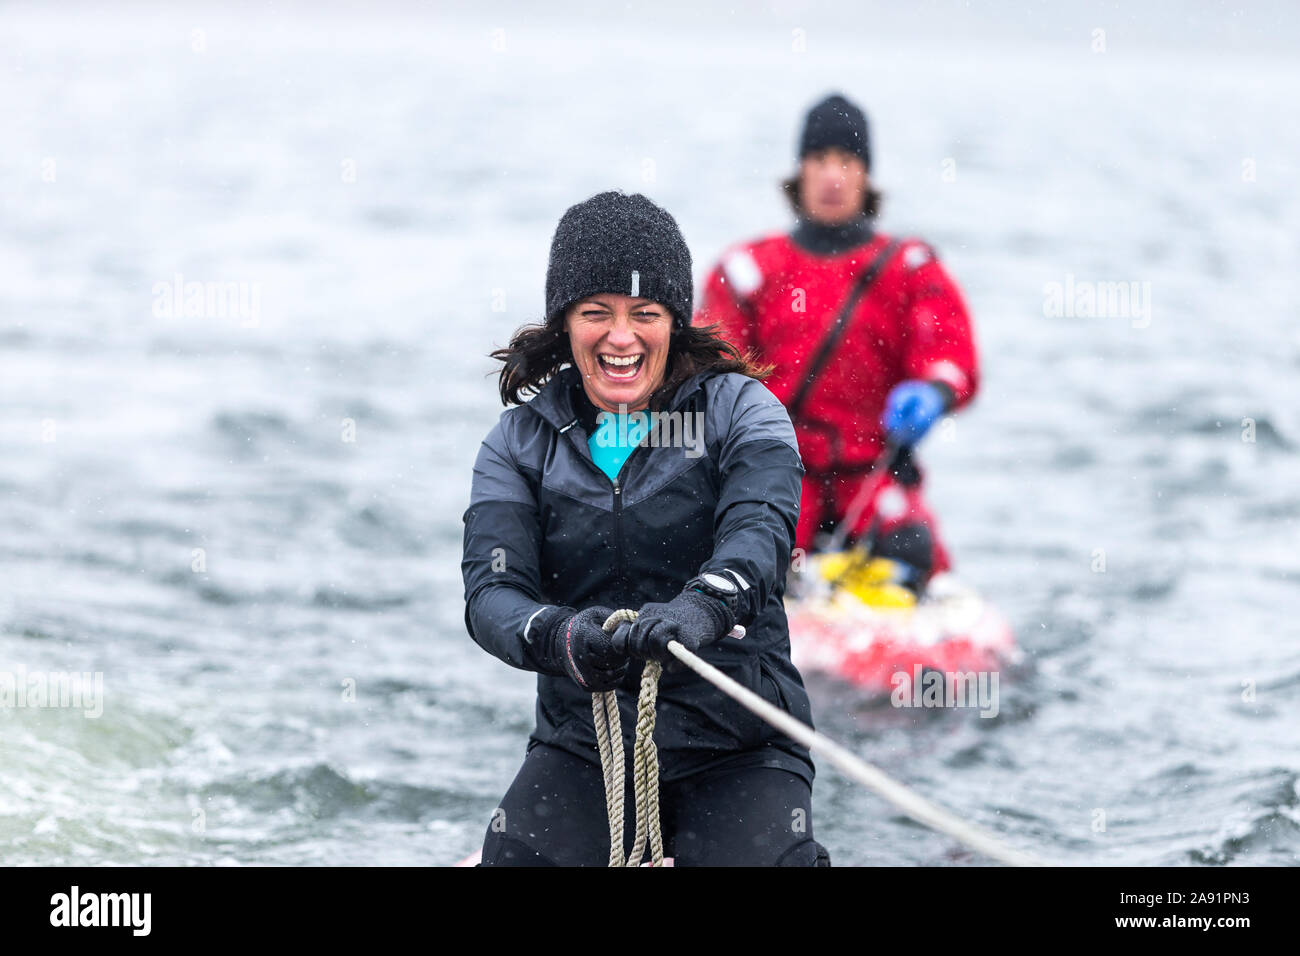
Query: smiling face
pixel 620 345
pixel 833 185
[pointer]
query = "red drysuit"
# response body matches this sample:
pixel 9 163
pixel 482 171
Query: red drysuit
pixel 780 300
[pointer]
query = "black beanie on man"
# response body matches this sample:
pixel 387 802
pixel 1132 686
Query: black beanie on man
pixel 614 242
pixel 835 121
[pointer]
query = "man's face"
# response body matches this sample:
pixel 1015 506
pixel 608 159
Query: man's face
pixel 833 185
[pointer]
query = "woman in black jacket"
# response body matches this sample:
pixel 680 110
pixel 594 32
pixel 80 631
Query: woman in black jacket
pixel 652 470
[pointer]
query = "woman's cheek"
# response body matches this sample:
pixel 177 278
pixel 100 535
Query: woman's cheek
pixel 661 356
pixel 580 352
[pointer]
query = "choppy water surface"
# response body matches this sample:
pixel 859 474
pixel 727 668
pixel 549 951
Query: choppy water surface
pixel 249 521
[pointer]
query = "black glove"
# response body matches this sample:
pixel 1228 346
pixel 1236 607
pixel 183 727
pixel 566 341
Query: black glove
pixel 579 644
pixel 692 619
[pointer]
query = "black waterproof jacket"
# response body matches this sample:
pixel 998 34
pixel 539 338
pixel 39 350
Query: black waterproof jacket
pixel 547 529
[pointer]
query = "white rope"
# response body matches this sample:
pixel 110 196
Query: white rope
pixel 645 761
pixel 913 804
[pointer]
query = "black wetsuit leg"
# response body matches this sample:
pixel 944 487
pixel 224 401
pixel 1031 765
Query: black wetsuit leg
pixel 554 815
pixel 747 816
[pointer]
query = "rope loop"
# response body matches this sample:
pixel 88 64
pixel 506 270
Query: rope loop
pixel 645 761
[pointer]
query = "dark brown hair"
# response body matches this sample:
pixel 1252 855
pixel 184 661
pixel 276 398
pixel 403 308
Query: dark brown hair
pixel 537 352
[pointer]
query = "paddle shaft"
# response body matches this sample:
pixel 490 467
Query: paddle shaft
pixel 879 475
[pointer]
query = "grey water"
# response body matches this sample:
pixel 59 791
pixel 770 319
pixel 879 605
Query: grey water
pixel 241 505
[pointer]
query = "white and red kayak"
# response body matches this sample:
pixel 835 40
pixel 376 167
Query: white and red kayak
pixel 848 620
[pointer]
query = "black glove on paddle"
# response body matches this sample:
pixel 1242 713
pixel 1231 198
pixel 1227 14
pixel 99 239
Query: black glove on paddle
pixel 692 619
pixel 579 644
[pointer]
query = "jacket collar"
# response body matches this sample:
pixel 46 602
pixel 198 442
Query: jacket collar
pixel 556 402
pixel 824 240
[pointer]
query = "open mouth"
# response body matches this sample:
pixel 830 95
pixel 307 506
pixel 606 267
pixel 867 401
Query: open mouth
pixel 621 368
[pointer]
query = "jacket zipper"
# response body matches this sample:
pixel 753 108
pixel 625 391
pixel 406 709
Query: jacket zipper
pixel 620 563
pixel 620 559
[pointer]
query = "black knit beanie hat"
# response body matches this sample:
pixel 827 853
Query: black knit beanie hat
pixel 835 121
pixel 614 242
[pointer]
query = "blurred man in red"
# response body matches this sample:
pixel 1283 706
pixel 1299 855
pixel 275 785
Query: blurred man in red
pixel 870 340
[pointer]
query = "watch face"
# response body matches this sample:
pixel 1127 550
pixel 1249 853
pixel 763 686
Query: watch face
pixel 718 582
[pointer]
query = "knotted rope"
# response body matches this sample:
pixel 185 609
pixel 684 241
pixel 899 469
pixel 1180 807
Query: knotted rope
pixel 645 761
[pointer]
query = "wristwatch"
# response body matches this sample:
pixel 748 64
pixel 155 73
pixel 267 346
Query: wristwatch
pixel 717 586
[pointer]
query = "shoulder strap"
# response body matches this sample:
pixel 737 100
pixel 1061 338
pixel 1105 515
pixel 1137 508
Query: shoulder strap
pixel 832 340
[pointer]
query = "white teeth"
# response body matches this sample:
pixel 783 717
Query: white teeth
pixel 628 365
